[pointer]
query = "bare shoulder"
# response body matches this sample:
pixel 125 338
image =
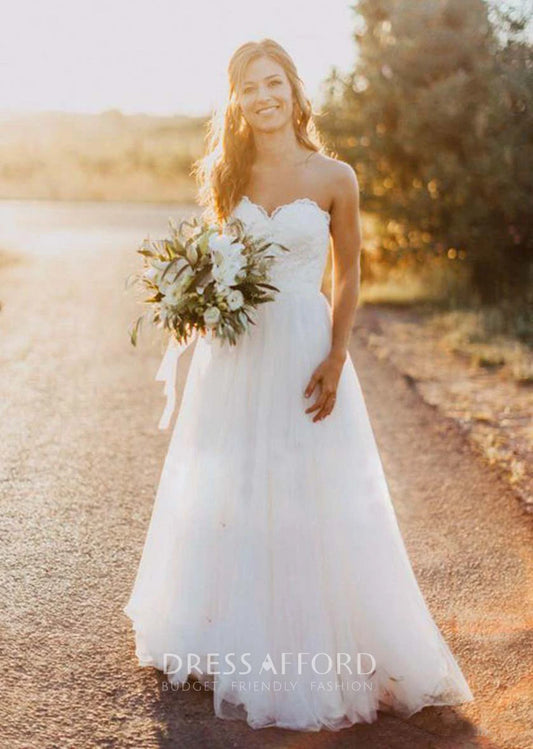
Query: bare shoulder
pixel 338 179
pixel 342 178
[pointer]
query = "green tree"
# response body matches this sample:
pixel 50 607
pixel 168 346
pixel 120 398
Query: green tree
pixel 436 117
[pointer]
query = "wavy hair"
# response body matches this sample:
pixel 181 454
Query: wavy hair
pixel 223 172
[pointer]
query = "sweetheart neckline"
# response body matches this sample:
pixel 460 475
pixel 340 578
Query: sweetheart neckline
pixel 271 216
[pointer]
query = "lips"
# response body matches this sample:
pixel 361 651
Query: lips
pixel 267 109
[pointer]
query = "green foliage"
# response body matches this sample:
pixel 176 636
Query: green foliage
pixel 437 119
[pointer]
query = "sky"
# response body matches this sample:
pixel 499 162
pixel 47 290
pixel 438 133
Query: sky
pixel 160 56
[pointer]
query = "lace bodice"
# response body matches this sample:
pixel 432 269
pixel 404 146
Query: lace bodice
pixel 301 226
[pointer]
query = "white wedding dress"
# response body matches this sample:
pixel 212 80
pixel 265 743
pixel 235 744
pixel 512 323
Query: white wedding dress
pixel 274 534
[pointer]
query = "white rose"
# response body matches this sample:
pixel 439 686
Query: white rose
pixel 212 315
pixel 235 299
pixel 225 273
pixel 223 249
pixel 219 243
pixel 237 247
pixel 235 256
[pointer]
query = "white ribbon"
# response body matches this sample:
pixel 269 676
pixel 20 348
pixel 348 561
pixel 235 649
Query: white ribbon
pixel 167 373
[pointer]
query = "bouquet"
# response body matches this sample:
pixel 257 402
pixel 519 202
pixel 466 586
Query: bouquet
pixel 205 280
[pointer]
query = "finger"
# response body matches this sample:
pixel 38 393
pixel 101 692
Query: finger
pixel 316 378
pixel 321 400
pixel 327 408
pixel 311 385
pixel 319 403
pixel 316 404
pixel 321 414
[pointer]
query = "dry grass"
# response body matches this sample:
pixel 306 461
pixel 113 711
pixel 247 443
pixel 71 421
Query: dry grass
pixel 60 156
pixel 481 381
pixel 470 334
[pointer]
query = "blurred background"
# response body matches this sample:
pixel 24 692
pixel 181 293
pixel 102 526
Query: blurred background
pixel 104 108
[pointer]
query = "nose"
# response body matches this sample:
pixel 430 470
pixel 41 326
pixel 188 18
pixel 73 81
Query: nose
pixel 261 103
pixel 263 94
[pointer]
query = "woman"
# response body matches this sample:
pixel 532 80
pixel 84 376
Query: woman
pixel 274 571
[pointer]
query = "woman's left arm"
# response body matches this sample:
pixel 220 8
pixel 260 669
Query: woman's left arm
pixel 347 239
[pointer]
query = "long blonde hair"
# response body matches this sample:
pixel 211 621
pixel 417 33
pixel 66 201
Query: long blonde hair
pixel 223 172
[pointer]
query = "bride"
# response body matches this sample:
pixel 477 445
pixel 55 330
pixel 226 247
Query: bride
pixel 274 572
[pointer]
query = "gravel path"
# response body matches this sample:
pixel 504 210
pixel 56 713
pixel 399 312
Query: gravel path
pixel 80 458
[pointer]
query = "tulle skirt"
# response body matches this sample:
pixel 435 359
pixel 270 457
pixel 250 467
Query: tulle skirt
pixel 273 562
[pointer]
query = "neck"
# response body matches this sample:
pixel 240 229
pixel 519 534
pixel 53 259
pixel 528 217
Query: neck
pixel 277 148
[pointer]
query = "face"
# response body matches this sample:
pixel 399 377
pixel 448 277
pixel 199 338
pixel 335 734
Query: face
pixel 265 95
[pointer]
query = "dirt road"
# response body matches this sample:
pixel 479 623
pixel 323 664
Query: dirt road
pixel 80 457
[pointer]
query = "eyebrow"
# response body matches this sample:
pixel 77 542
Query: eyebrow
pixel 273 75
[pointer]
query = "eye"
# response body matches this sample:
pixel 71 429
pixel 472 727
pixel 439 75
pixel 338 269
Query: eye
pixel 275 82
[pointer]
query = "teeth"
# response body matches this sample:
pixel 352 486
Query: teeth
pixel 267 109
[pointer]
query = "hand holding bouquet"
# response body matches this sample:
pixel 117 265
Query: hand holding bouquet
pixel 202 279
